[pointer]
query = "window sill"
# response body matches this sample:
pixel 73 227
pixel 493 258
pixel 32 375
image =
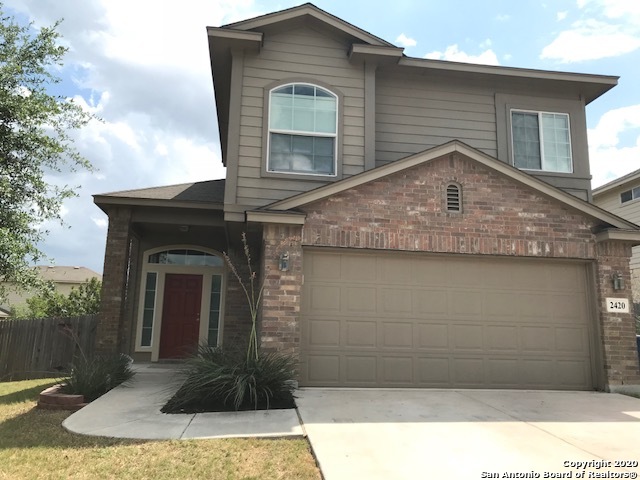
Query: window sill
pixel 301 176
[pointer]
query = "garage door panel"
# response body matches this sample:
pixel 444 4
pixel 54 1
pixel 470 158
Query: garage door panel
pixel 467 304
pixel 429 302
pixel 501 338
pixel 394 319
pixel 324 266
pixel 361 334
pixel 358 269
pixel 324 298
pixel 572 373
pixel 467 337
pixel 323 369
pixel 538 372
pixel 359 299
pixel 397 371
pixel 533 305
pixel 537 339
pixel 324 333
pixel 468 372
pixel 563 278
pixel 433 372
pixel 571 340
pixel 397 335
pixel 504 372
pixel 563 309
pixel 432 336
pixel 395 300
pixel 361 369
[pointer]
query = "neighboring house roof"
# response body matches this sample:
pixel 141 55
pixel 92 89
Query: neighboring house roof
pixel 280 207
pixel 61 274
pixel 5 311
pixel 208 195
pixel 633 177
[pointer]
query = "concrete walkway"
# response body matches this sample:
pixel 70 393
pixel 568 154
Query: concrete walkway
pixel 133 411
pixel 460 434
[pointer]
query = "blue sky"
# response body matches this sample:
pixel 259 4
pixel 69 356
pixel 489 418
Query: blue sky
pixel 142 66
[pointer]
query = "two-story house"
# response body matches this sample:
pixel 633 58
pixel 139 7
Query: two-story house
pixel 417 223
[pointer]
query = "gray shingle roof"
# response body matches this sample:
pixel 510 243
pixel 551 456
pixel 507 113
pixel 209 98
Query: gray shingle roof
pixel 211 191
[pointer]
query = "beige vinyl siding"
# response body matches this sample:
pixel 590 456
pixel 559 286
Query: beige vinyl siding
pixel 610 201
pixel 301 53
pixel 414 113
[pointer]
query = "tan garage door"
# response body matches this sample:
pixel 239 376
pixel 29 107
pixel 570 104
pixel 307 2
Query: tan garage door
pixel 415 320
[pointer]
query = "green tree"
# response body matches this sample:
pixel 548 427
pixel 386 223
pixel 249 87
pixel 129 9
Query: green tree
pixel 84 300
pixel 35 141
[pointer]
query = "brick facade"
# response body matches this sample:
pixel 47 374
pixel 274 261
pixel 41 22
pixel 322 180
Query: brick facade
pixel 407 211
pixel 237 318
pixel 617 330
pixel 114 282
pixel 280 315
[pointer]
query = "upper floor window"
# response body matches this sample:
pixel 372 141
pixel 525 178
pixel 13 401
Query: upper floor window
pixel 303 124
pixel 541 141
pixel 629 195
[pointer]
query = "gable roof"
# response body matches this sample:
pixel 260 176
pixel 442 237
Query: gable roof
pixel 437 152
pixel 308 10
pixel 633 177
pixel 208 194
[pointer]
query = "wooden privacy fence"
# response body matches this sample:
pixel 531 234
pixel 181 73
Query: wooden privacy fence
pixel 44 347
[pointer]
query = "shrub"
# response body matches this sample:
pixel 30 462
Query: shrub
pixel 218 380
pixel 93 377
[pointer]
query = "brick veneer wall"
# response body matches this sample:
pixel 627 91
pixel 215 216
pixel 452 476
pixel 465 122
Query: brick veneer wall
pixel 407 211
pixel 280 313
pixel 114 281
pixel 617 330
pixel 237 315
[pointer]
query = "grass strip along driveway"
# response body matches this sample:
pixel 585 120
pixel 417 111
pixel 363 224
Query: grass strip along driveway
pixel 34 445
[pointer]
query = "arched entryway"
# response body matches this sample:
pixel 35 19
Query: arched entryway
pixel 181 300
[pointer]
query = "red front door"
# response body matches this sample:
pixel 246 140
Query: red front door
pixel 180 315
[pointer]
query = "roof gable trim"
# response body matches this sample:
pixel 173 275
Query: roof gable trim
pixel 315 12
pixel 440 151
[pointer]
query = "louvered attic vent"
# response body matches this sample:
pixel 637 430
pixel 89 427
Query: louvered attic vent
pixel 454 202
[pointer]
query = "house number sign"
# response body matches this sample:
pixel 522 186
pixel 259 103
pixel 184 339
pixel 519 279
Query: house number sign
pixel 620 305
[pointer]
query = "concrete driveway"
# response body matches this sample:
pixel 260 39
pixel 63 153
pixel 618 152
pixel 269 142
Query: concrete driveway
pixel 469 434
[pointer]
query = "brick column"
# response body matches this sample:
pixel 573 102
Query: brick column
pixel 617 330
pixel 280 313
pixel 114 282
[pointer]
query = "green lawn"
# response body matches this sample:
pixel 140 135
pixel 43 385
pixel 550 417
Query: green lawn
pixel 34 445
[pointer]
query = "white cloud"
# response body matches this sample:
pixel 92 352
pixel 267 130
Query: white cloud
pixel 453 53
pixel 405 41
pixel 590 40
pixel 503 17
pixel 610 160
pixel 561 15
pixel 101 222
pixel 486 44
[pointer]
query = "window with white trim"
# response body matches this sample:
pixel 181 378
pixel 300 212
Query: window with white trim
pixel 541 141
pixel 629 195
pixel 303 130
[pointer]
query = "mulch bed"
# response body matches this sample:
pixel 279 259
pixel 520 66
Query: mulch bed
pixel 284 402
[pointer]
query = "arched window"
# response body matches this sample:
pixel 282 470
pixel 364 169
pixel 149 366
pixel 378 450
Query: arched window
pixel 303 129
pixel 454 198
